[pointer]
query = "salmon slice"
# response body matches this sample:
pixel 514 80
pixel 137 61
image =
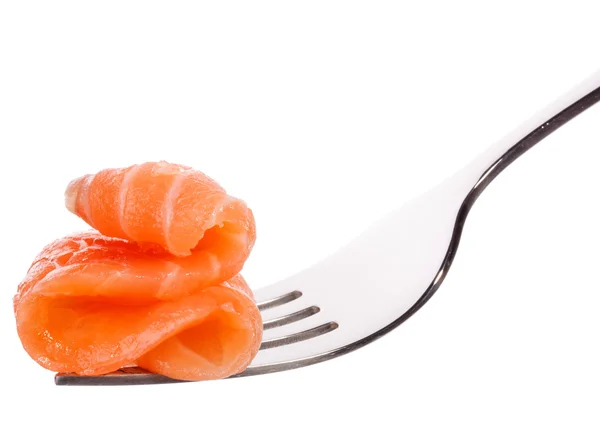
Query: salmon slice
pixel 156 283
pixel 164 204
pixel 91 304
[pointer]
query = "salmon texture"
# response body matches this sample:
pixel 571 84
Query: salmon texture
pixel 156 283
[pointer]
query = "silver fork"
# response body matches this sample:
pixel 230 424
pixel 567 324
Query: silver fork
pixel 385 275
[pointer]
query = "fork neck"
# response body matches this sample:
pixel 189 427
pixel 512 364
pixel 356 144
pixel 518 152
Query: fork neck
pixel 478 174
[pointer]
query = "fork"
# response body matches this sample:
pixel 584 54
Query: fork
pixel 379 280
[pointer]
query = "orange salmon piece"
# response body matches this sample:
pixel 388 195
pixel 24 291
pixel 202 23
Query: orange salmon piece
pixel 156 285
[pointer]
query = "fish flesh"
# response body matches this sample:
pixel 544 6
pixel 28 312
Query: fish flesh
pixel 156 283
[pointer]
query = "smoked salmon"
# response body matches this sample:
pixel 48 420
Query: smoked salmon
pixel 156 284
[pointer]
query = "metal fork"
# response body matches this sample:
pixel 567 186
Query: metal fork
pixel 385 275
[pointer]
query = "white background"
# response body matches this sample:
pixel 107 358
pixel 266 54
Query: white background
pixel 323 116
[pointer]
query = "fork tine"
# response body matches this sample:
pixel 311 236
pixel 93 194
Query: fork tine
pixel 322 339
pixel 299 336
pixel 296 305
pixel 290 318
pixel 124 376
pixel 306 322
pixel 278 301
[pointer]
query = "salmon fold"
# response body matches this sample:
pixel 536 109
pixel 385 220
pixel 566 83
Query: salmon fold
pixel 156 284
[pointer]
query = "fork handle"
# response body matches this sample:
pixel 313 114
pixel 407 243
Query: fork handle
pixel 475 177
pixel 452 200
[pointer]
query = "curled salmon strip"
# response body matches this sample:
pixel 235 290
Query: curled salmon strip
pixel 161 203
pixel 166 295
